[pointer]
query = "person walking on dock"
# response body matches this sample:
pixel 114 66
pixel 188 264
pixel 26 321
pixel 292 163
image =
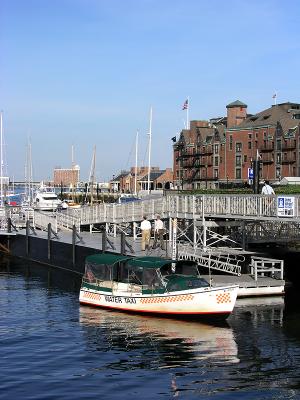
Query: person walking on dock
pixel 159 231
pixel 267 189
pixel 146 230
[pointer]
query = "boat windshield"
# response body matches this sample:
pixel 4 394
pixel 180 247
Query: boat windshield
pixel 50 198
pixel 94 272
pixel 147 277
pixel 181 268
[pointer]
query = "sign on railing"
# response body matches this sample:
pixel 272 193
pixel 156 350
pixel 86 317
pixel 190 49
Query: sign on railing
pixel 285 206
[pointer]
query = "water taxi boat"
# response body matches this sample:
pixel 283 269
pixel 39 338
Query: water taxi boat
pixel 153 285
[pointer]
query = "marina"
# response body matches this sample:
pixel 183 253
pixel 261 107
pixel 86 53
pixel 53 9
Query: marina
pixel 196 230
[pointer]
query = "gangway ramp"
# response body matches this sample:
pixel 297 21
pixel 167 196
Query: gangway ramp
pixel 213 260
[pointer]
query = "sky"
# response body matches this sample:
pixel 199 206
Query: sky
pixel 85 73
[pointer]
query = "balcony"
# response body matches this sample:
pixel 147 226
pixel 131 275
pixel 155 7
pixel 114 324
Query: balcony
pixel 288 160
pixel 186 154
pixel 288 145
pixel 268 146
pixel 190 163
pixel 267 159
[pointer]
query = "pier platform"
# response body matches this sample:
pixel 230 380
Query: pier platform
pixel 66 251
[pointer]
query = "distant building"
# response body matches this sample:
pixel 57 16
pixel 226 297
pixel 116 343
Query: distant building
pixel 66 176
pixel 125 181
pixel 222 149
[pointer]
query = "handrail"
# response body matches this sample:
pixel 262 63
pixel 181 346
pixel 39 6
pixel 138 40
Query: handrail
pixel 190 206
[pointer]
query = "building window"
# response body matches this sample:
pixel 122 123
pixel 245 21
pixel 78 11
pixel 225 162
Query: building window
pixel 238 147
pixel 216 174
pixel 238 161
pixel 278 173
pixel 238 173
pixel 250 136
pixel 279 144
pixel 278 158
pixel 216 148
pixel 249 145
pixel 216 161
pixel 230 142
pixel 245 158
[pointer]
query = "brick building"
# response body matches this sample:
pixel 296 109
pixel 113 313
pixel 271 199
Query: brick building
pixel 222 149
pixel 66 176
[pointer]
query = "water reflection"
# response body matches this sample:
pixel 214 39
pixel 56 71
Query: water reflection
pixel 173 342
pixel 269 309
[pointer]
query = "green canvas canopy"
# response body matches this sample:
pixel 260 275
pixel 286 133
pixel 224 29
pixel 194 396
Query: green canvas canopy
pixel 106 258
pixel 149 262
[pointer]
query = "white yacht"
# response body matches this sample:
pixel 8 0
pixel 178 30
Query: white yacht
pixel 46 199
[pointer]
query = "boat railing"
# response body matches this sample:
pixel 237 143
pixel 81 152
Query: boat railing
pixel 261 267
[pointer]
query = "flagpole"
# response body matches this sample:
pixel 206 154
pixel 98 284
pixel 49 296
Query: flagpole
pixel 149 158
pixel 187 113
pixel 136 161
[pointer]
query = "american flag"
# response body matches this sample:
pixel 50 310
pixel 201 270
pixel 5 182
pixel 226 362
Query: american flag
pixel 274 96
pixel 185 105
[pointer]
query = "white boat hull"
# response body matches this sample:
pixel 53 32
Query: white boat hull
pixel 204 301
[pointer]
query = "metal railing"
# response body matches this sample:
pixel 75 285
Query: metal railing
pixel 229 263
pixel 192 207
pixel 266 267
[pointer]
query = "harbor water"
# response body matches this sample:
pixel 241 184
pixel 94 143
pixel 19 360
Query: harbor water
pixel 53 348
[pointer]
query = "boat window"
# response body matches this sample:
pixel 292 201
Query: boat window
pixel 151 278
pixel 187 268
pixel 130 274
pixel 50 198
pixel 95 272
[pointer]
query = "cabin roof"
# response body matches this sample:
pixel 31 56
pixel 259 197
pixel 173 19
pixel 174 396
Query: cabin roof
pixel 106 258
pixel 142 262
pixel 149 262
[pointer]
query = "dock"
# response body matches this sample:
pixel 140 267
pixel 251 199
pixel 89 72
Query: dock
pixel 68 250
pixel 216 231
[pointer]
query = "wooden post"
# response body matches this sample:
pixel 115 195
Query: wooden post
pixel 49 241
pixel 9 225
pixel 27 237
pixel 123 251
pixel 104 241
pixel 74 245
pixel 244 236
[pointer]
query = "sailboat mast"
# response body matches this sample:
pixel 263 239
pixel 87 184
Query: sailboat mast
pixel 30 177
pixel 136 161
pixel 149 155
pixel 1 158
pixel 92 175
